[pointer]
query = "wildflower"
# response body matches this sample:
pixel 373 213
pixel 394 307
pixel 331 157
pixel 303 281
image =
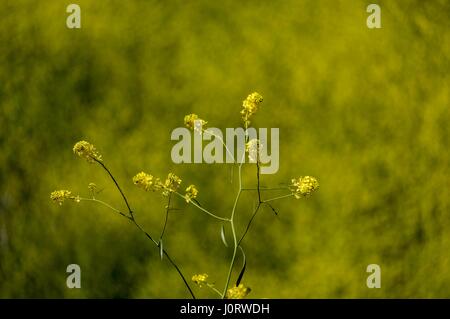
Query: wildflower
pixel 253 148
pixel 193 122
pixel 171 184
pixel 147 182
pixel 304 186
pixel 191 193
pixel 87 150
pixel 239 292
pixel 250 106
pixel 60 196
pixel 200 279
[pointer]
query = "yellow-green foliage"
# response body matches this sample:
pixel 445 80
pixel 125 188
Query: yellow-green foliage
pixel 365 111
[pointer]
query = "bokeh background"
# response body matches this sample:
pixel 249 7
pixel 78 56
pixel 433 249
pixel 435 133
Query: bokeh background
pixel 365 111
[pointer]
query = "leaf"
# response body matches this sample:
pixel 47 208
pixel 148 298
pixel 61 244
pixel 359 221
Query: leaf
pixel 244 265
pixel 222 235
pixel 161 249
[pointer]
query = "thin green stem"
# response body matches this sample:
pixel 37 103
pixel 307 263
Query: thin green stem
pixel 166 218
pixel 258 188
pixel 105 204
pixel 214 289
pixel 202 209
pixel 257 178
pixel 233 258
pixel 276 198
pixel 167 256
pixel 233 231
pixel 117 184
pixel 249 223
pixel 221 140
pixel 133 220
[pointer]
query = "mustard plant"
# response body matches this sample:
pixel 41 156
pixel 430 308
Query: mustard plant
pixel 169 187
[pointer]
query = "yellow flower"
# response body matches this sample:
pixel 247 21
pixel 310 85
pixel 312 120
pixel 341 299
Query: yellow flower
pixel 191 193
pixel 239 292
pixel 250 106
pixel 87 151
pixel 171 184
pixel 193 122
pixel 303 186
pixel 200 279
pixel 150 183
pixel 60 196
pixel 147 182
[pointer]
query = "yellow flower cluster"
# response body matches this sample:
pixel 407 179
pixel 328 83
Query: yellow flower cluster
pixel 191 193
pixel 87 151
pixel 193 122
pixel 149 183
pixel 250 106
pixel 303 186
pixel 239 292
pixel 60 196
pixel 200 279
pixel 171 184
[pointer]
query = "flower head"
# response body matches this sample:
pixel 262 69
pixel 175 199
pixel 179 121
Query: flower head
pixel 303 186
pixel 200 279
pixel 171 184
pixel 60 196
pixel 253 148
pixel 150 183
pixel 191 193
pixel 147 182
pixel 193 122
pixel 250 106
pixel 239 292
pixel 87 151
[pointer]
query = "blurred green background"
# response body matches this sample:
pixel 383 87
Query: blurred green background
pixel 365 111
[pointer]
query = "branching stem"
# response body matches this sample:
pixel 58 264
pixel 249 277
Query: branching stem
pixel 133 220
